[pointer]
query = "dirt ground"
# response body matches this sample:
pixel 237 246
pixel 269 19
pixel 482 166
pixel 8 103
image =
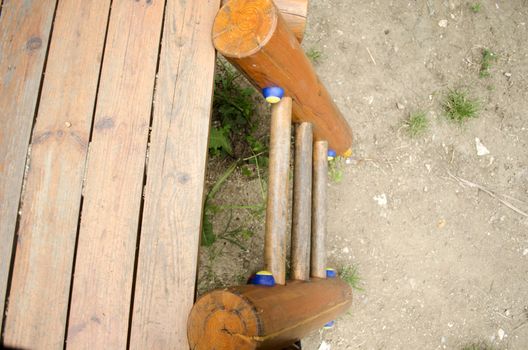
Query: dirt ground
pixel 438 233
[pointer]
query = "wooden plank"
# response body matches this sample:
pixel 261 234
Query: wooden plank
pixel 24 33
pixel 320 182
pixel 302 203
pixel 39 294
pixel 170 232
pixel 104 265
pixel 278 191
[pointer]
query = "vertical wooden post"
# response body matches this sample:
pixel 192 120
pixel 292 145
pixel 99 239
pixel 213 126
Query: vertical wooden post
pixel 320 178
pixel 277 208
pixel 254 37
pixel 302 203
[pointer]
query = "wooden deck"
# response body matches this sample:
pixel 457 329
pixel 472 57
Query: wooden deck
pixel 105 112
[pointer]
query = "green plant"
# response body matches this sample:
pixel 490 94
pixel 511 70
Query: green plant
pixel 488 57
pixel 480 345
pixel 459 106
pixel 350 275
pixel 314 55
pixel 476 7
pixel 335 169
pixel 416 123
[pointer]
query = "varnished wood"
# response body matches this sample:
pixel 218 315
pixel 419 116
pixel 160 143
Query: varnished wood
pixel 39 294
pixel 100 301
pixel 320 183
pixel 302 203
pixel 170 232
pixel 254 37
pixel 294 13
pixel 277 205
pixel 256 317
pixel 24 35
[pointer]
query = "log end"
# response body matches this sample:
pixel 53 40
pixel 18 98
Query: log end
pixel 242 27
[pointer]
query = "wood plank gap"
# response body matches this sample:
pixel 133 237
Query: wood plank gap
pixel 142 205
pixel 6 289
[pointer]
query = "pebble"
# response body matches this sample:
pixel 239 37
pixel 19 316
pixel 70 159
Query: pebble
pixel 381 199
pixel 481 149
pixel 507 74
pixel 324 346
pixel 442 23
pixel 400 106
pixel 67 124
pixel 525 252
pixel 501 333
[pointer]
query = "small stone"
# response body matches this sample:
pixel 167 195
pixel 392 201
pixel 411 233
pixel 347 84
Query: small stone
pixel 400 106
pixel 501 333
pixel 442 23
pixel 441 223
pixel 481 149
pixel 525 252
pixel 508 74
pixel 381 199
pixel 67 124
pixel 324 346
pixel 345 250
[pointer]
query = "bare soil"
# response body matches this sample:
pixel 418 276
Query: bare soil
pixel 444 262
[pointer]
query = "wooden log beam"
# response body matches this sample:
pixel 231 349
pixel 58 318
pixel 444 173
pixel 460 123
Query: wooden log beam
pixel 302 203
pixel 253 36
pixel 320 179
pixel 256 317
pixel 294 13
pixel 277 205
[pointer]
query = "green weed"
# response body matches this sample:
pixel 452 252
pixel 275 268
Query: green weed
pixel 476 7
pixel 488 57
pixel 459 106
pixel 314 55
pixel 417 123
pixel 350 275
pixel 335 169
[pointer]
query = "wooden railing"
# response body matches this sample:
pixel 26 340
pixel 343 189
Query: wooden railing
pixel 271 312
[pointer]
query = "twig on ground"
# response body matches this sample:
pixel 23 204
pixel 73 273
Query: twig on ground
pixel 463 182
pixel 371 57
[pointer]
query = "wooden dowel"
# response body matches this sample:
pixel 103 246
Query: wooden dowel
pixel 302 203
pixel 294 13
pixel 256 317
pixel 277 206
pixel 320 178
pixel 255 38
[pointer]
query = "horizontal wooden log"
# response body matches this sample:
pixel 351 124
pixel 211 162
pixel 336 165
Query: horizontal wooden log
pixel 253 36
pixel 257 317
pixel 294 13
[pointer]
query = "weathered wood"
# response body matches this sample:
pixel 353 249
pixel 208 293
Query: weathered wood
pixel 302 203
pixel 277 204
pixel 24 35
pixel 320 182
pixel 254 37
pixel 256 317
pixel 38 300
pixel 100 301
pixel 168 253
pixel 294 13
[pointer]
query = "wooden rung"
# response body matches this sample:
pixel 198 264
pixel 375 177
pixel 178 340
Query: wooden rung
pixel 277 206
pixel 302 203
pixel 257 317
pixel 254 37
pixel 320 178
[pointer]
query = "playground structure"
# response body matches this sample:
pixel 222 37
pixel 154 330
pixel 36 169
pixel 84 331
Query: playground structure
pixel 105 111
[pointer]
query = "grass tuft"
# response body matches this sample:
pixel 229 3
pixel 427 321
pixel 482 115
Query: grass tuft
pixel 488 57
pixel 476 7
pixel 478 346
pixel 459 106
pixel 314 55
pixel 350 275
pixel 335 169
pixel 417 123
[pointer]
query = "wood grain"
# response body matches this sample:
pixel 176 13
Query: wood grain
pixel 302 203
pixel 170 234
pixel 255 38
pixel 278 191
pixel 320 182
pixel 24 35
pixel 38 300
pixel 256 317
pixel 100 302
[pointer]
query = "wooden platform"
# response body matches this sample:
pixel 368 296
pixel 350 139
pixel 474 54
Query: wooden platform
pixel 105 112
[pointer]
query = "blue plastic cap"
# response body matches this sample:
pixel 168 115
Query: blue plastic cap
pixel 331 153
pixel 273 94
pixel 330 273
pixel 262 278
pixel 329 325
